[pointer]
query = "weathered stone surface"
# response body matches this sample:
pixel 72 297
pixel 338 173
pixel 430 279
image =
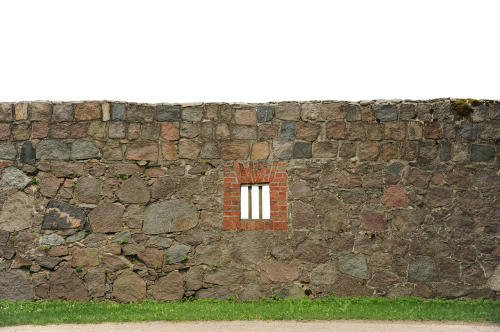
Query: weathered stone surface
pixel 191 237
pixel 63 113
pixel 423 269
pixel 88 190
pixel 169 288
pixel 302 150
pixel 177 253
pixel 307 131
pixel 349 287
pixel 65 285
pixel 140 113
pixel 60 215
pixel 193 114
pixel 122 237
pixel 265 113
pixel 207 255
pixel 471 199
pixel 383 279
pixel 107 218
pixel 49 149
pixel 219 292
pixel 170 216
pixel 112 262
pixel 58 251
pixel 190 149
pixel 260 151
pixel 368 151
pixel 52 239
pixel 48 262
pixel 14 287
pixel 194 278
pixel 450 291
pixel 468 131
pixel 249 248
pixel 278 272
pixel 303 216
pixel 482 153
pixel 301 190
pixel 374 221
pixel 95 280
pixel 235 150
pixel 332 111
pixel 385 112
pixel 354 265
pixel 312 252
pixel 28 153
pixel 325 150
pixel 7 151
pixel 163 188
pixel 87 111
pixel 439 197
pixel 129 287
pixel 282 149
pixel 6 112
pixel 246 117
pixel 335 130
pixel 288 112
pixel 134 190
pixel 225 276
pixel 14 178
pixel 168 112
pixel 494 281
pixel 67 170
pixel 189 130
pixel 41 111
pixel 143 151
pixel 334 220
pixel 118 112
pixel 326 274
pixel 353 112
pixel 49 184
pixel 189 186
pixel 85 257
pixel 394 196
pixel 16 214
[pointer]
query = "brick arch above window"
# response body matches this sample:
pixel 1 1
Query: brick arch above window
pixel 273 173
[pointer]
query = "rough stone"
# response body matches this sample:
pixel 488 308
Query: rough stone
pixel 303 216
pixel 140 113
pixel 95 280
pixel 170 216
pixel 312 252
pixel 279 272
pixel 332 111
pixel 65 285
pixel 88 190
pixel 107 218
pixel 85 258
pixel 394 196
pixel 52 239
pixel 282 149
pixel 49 149
pixel 14 178
pixel 225 276
pixel 356 132
pixel 28 153
pixel 169 288
pixel 246 117
pixel 494 281
pixel 7 151
pixel 287 130
pixel 301 190
pixel 334 220
pixel 5 131
pixel 450 291
pixel 192 114
pixel 16 214
pixel 190 149
pixel 302 150
pixel 260 151
pixel 326 274
pixel 158 241
pixel 177 253
pixel 414 131
pixel 14 287
pixel 21 132
pixel 368 151
pixel 353 265
pixel 134 191
pixel 307 131
pixel 468 131
pixel 129 287
pixel 194 278
pixel 353 112
pixel 335 130
pixel 163 188
pixel 439 197
pixel 265 113
pixel 168 112
pixel 48 262
pixel 249 248
pixel 62 113
pixel 374 221
pixel 395 131
pixel 235 150
pixel 482 153
pixel 87 111
pixel 349 287
pixel 267 131
pixel 118 112
pixel 383 279
pixel 60 215
pixel 6 112
pixel 423 269
pixel 288 112
pixel 389 151
pixel 122 237
pixel 385 112
pixel 325 150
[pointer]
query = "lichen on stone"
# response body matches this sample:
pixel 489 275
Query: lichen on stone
pixel 464 107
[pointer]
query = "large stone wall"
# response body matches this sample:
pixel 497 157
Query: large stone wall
pixel 129 201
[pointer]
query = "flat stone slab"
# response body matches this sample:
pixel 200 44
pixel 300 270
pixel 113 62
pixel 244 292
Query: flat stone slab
pixel 14 287
pixel 14 178
pixel 172 216
pixel 60 215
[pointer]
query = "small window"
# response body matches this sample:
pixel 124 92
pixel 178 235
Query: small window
pixel 255 202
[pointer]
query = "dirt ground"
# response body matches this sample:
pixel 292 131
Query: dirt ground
pixel 272 326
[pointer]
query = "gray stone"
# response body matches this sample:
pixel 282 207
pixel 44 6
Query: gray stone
pixel 50 149
pixel 384 112
pixel 48 262
pixel 28 153
pixel 218 293
pixel 325 274
pixel 282 149
pixel 176 253
pixel 60 215
pixel 445 151
pixel 442 110
pixel 468 131
pixel 354 265
pixel 14 178
pixel 353 112
pixel 7 151
pixel 484 178
pixel 129 287
pixel 288 112
pixel 76 237
pixel 144 113
pixel 482 153
pixel 16 213
pixel 490 131
pixel 52 240
pixel 287 130
pixel 84 149
pixel 123 236
pixel 291 291
pixel 225 276
pixel 494 281
pixel 134 190
pixel 265 113
pixel 158 241
pixel 210 151
pixel 192 114
pixel 118 112
pixel 450 291
pixel 95 280
pixel 168 113
pixel 302 150
pixel 395 168
pixel 171 216
pixel 194 278
pixel 423 269
pixel 14 287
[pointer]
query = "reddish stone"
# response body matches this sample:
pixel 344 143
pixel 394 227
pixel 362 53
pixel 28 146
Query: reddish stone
pixel 325 149
pixel 335 130
pixel 151 257
pixel 246 117
pixel 433 130
pixel 349 287
pixel 279 272
pixel 60 131
pixel 395 131
pixel 374 221
pixel 307 131
pixel 439 197
pixel 389 151
pixel 394 196
pixel 168 151
pixel 422 291
pixel 5 131
pixel 260 150
pixel 332 111
pixel 374 132
pixel 418 177
pixel 107 218
pixel 40 130
pixel 49 184
pixel 65 285
pixel 169 288
pixel 368 151
pixel 84 257
pixel 383 279
pixel 155 172
pixel 235 150
pixel 129 287
pixel 356 131
pixel 169 131
pixel 87 111
pixel 79 130
pixel 58 251
pixel 116 129
pixel 143 151
pixel 408 150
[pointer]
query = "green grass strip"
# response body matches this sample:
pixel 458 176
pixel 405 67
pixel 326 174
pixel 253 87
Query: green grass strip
pixel 59 312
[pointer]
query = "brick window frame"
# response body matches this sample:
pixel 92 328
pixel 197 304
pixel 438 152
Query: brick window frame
pixel 255 173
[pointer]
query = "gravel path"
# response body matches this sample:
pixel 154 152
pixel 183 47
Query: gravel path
pixel 273 326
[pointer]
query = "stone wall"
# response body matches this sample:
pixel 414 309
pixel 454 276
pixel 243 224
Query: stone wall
pixel 128 201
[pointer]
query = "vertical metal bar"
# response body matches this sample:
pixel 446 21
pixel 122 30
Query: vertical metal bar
pixel 249 202
pixel 260 202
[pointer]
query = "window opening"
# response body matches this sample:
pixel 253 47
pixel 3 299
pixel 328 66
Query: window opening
pixel 255 202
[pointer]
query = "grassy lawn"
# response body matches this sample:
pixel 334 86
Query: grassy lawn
pixel 46 312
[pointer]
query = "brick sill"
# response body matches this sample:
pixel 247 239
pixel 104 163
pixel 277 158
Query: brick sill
pixel 256 225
